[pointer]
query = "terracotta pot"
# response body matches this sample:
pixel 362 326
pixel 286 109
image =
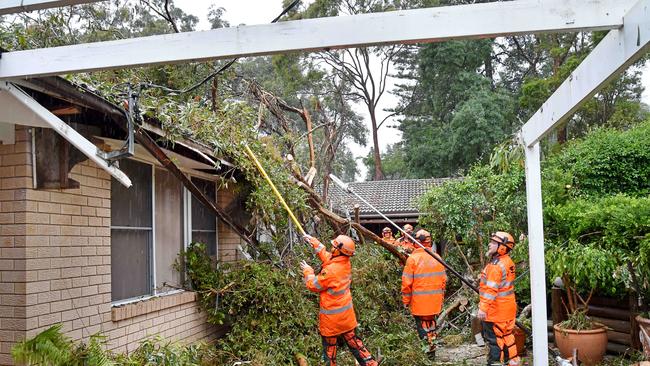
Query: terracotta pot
pixel 520 341
pixel 591 344
pixel 644 334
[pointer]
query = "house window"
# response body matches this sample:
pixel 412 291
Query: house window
pixel 149 224
pixel 204 221
pixel 169 229
pixel 131 232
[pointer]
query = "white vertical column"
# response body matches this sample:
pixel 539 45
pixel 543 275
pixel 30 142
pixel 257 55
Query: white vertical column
pixel 536 254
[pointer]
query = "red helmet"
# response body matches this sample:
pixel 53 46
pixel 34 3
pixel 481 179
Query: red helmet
pixel 344 244
pixel 505 240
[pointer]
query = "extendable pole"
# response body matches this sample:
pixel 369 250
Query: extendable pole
pixel 259 166
pixel 347 188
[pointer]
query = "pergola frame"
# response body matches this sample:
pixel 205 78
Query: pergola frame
pixel 628 40
pixel 17 6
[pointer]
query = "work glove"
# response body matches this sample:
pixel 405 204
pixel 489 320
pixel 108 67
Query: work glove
pixel 311 240
pixel 306 268
pixel 481 315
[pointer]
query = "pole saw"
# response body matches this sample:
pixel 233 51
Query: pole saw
pixel 345 187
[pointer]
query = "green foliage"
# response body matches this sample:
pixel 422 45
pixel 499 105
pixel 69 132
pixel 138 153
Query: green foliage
pixel 52 348
pixel 578 321
pixel 597 210
pixel 273 316
pixel 606 162
pixel 155 351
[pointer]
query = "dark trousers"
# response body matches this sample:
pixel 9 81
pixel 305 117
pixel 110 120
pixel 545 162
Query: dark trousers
pixel 354 343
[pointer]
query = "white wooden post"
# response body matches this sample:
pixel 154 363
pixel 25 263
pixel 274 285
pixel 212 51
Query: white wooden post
pixel 536 254
pixel 19 6
pixel 407 26
pixel 40 116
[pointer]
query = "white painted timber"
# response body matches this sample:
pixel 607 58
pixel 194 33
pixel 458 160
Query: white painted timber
pixel 409 26
pixel 19 6
pixel 44 118
pixel 536 254
pixel 615 53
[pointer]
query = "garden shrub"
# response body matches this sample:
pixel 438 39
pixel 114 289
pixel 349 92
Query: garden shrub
pixel 273 316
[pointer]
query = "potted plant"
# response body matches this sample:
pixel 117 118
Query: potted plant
pixel 639 269
pixel 579 335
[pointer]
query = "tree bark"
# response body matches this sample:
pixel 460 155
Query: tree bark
pixel 379 173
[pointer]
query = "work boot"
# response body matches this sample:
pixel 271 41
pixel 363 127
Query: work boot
pixel 431 355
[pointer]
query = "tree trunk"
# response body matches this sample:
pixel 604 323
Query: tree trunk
pixel 379 173
pixel 310 137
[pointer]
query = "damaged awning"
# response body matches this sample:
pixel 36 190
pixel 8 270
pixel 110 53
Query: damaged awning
pixel 18 107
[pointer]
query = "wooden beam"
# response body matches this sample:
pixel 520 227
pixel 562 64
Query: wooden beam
pixel 66 111
pixel 613 55
pixel 407 26
pixel 19 6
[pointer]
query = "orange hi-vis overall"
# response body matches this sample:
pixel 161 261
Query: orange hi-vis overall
pixel 497 300
pixel 336 318
pixel 423 290
pixel 405 243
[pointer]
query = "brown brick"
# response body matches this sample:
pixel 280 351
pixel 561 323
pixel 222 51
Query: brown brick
pixel 7 218
pixel 16 159
pixel 49 274
pixel 6 264
pixel 70 251
pixel 7 171
pixel 60 219
pixel 79 220
pixel 60 284
pixel 23 171
pixel 71 209
pixel 39 229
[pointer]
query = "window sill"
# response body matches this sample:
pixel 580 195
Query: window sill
pixel 150 305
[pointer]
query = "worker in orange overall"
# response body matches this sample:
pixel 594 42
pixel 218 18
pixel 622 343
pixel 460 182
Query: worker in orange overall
pixel 404 242
pixel 337 321
pixel 497 306
pixel 423 290
pixel 387 235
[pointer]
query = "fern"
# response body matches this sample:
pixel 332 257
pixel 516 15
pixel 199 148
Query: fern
pixel 49 348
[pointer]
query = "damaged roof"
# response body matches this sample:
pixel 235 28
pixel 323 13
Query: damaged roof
pixel 391 197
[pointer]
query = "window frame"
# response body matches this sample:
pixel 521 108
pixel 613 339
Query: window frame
pixel 186 197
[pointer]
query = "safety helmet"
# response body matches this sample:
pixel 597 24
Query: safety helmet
pixel 408 228
pixel 505 241
pixel 344 244
pixel 387 230
pixel 424 237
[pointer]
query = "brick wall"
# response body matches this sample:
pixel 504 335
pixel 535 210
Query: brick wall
pixel 55 262
pixel 229 241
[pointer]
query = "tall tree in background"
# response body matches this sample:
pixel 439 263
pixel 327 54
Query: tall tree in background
pixel 367 69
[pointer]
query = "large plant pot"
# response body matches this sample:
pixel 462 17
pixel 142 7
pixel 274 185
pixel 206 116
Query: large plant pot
pixel 591 344
pixel 520 341
pixel 644 334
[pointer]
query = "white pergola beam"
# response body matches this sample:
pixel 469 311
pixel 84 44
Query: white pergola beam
pixel 615 53
pixel 536 254
pixel 19 6
pixel 40 116
pixel 409 26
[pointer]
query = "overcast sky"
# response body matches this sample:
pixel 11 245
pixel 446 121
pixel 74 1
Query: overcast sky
pixel 263 11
